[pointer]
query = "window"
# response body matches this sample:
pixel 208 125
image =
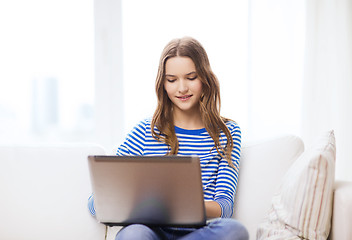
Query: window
pixel 47 71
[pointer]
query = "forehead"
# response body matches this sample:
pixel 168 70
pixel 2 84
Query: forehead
pixel 179 65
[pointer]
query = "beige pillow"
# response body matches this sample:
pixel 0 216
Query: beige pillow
pixel 303 205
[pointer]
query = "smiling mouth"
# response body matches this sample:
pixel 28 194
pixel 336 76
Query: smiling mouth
pixel 185 97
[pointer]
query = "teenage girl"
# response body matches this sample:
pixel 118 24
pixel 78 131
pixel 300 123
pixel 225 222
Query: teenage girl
pixel 187 121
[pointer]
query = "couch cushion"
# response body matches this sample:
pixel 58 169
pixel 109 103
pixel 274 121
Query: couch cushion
pixel 44 192
pixel 263 165
pixel 303 205
pixel 342 211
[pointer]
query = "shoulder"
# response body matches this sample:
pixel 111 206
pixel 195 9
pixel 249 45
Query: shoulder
pixel 144 124
pixel 140 128
pixel 233 127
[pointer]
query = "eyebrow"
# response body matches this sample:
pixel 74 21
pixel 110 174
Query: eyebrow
pixel 191 73
pixel 170 75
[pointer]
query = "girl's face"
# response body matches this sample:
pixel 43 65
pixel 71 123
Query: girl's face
pixel 182 84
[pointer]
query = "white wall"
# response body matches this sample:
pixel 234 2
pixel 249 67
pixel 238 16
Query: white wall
pixel 328 78
pixel 109 91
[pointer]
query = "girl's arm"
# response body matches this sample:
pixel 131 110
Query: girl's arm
pixel 227 177
pixel 91 206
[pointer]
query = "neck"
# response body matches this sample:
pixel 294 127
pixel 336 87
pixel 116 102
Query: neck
pixel 188 120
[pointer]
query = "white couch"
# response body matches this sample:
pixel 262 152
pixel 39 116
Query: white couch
pixel 44 190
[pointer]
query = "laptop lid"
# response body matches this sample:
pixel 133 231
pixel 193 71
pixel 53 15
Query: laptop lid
pixel 163 191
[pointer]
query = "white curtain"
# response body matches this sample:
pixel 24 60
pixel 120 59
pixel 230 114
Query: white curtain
pixel 275 72
pixel 327 87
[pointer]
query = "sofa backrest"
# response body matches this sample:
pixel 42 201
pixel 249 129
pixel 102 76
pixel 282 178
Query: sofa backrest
pixel 44 192
pixel 44 189
pixel 263 165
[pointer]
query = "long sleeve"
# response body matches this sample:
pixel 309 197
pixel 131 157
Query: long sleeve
pixel 226 181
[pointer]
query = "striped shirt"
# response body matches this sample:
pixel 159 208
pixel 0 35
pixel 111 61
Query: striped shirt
pixel 219 179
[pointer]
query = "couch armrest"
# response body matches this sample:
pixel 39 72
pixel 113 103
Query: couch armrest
pixel 342 212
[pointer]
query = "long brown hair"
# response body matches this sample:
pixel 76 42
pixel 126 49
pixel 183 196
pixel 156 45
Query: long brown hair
pixel 209 102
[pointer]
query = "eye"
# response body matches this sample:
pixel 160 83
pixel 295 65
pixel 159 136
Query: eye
pixel 171 80
pixel 192 78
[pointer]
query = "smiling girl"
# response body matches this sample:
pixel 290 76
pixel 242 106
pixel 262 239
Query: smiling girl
pixel 187 121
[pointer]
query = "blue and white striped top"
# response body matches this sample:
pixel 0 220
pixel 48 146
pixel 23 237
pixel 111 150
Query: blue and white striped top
pixel 219 179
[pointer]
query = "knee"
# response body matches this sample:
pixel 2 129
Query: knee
pixel 135 231
pixel 234 228
pixel 240 229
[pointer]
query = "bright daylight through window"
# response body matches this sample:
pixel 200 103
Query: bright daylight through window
pixel 47 73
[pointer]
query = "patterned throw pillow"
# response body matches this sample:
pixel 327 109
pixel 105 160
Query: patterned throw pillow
pixel 302 207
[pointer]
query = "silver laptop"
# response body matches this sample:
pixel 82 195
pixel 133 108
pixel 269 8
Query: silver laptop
pixel 162 191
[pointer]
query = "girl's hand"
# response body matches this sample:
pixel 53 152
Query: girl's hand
pixel 212 209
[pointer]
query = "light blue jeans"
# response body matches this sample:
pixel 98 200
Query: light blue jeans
pixel 221 228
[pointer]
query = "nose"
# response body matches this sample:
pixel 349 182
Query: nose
pixel 183 87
